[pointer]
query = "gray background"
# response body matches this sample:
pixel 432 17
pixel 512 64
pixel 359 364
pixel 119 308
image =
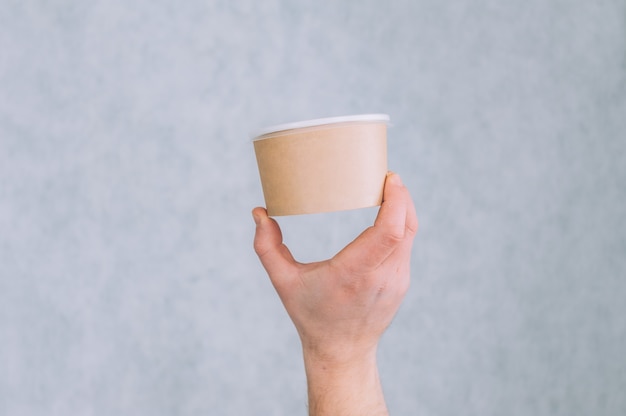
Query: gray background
pixel 128 284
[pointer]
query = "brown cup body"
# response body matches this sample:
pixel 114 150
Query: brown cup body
pixel 323 168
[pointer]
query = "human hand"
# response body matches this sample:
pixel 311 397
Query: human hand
pixel 341 306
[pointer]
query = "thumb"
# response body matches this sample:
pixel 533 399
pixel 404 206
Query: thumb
pixel 268 245
pixel 377 243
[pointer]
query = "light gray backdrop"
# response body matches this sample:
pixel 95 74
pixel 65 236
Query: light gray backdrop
pixel 128 284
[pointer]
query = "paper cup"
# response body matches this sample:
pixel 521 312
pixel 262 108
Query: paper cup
pixel 323 165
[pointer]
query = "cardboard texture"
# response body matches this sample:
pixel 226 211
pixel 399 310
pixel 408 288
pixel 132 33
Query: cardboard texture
pixel 325 168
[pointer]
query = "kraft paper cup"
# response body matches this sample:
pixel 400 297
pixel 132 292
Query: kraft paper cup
pixel 323 165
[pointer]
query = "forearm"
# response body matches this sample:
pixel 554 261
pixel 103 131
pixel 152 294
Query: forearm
pixel 344 388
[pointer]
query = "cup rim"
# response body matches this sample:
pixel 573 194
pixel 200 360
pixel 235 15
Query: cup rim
pixel 374 117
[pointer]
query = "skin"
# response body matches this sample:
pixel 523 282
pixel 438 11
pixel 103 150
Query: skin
pixel 341 306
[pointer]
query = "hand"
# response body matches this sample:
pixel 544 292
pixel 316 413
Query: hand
pixel 341 306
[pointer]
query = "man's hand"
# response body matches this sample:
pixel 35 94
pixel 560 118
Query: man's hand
pixel 342 306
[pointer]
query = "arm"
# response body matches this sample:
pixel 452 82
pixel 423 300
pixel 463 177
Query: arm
pixel 342 306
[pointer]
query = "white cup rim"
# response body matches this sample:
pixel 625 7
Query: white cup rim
pixel 378 117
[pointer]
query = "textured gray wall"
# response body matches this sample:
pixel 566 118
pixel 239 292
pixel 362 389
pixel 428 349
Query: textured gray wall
pixel 128 284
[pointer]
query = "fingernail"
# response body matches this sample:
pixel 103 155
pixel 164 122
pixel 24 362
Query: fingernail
pixel 395 178
pixel 256 217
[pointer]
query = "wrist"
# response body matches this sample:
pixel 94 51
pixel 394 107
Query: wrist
pixel 339 359
pixel 332 379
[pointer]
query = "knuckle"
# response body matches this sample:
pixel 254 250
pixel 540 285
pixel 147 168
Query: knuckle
pixel 259 248
pixel 391 240
pixel 412 227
